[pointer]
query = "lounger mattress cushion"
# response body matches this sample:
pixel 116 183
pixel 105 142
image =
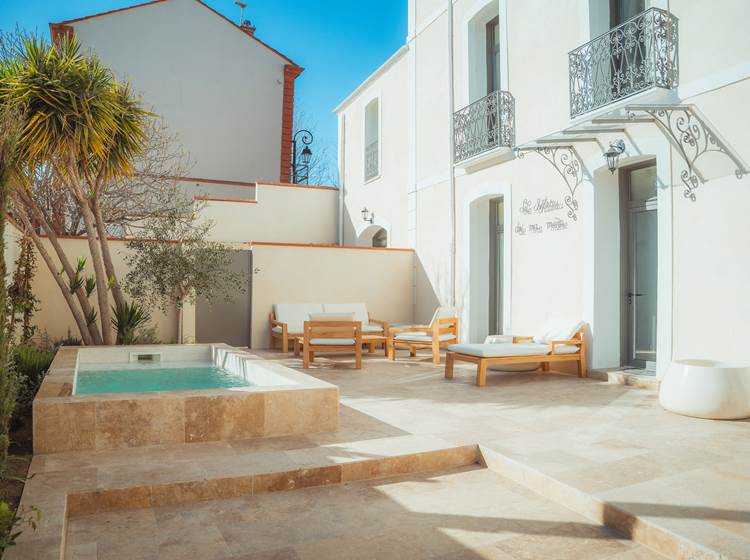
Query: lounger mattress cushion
pixel 506 350
pixel 421 337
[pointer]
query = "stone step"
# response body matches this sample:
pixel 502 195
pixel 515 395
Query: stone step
pixel 648 532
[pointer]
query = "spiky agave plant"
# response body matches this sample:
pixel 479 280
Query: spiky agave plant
pixel 127 319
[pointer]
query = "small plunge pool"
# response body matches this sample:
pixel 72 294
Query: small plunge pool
pixel 148 377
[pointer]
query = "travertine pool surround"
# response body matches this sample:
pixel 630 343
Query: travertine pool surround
pixel 281 401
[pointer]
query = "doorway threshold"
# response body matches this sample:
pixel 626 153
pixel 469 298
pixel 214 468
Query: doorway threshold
pixel 632 377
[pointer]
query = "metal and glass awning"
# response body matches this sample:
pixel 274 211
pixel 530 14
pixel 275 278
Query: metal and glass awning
pixel 692 136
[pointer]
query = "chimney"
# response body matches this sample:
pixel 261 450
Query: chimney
pixel 248 27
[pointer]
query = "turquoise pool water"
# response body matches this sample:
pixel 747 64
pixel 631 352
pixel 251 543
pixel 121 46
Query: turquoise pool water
pixel 152 377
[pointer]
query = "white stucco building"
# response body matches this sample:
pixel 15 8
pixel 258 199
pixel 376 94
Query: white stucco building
pixel 481 142
pixel 226 95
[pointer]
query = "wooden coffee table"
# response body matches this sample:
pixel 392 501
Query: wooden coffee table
pixel 372 341
pixel 369 340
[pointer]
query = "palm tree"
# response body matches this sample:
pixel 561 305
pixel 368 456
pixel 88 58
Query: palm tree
pixel 88 128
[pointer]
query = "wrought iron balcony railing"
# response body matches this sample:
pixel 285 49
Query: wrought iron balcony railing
pixel 484 125
pixel 372 164
pixel 637 55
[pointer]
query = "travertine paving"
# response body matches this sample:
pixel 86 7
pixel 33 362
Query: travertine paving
pixel 606 451
pixel 467 514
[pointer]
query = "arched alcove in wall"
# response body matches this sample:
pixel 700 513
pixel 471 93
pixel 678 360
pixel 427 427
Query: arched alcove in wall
pixel 374 235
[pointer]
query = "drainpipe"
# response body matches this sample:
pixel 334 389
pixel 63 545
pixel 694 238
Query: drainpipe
pixel 342 173
pixel 451 155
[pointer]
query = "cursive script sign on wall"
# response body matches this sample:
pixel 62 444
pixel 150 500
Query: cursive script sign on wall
pixel 541 207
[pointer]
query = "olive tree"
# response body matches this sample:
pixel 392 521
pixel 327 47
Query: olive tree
pixel 172 262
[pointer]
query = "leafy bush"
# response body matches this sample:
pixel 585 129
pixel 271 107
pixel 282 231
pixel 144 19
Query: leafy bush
pixel 127 319
pixel 52 344
pixel 31 364
pixel 11 520
pixel 147 335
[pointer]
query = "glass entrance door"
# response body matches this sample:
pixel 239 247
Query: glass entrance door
pixel 642 258
pixel 496 231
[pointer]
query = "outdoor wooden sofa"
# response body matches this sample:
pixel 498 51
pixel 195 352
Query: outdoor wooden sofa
pixel 331 336
pixel 286 320
pixel 557 342
pixel 441 332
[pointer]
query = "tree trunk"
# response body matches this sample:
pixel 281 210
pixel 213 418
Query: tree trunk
pixel 102 289
pixel 180 303
pixel 106 254
pixel 77 315
pixel 83 300
pixel 8 383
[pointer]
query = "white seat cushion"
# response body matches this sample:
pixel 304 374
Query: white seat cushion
pixel 506 350
pixel 359 310
pixel 332 341
pixel 372 328
pixel 295 314
pixel 421 337
pixel 289 331
pixel 557 329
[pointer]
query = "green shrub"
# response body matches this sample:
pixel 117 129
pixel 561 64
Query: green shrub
pixel 11 521
pixel 31 364
pixel 52 344
pixel 147 335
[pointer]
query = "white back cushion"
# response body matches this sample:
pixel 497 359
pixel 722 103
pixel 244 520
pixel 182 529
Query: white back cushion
pixel 332 317
pixel 557 329
pixel 359 310
pixel 295 314
pixel 442 313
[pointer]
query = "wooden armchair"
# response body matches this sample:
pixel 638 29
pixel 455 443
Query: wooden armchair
pixel 441 332
pixel 330 336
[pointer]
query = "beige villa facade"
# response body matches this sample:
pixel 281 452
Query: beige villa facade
pixel 481 143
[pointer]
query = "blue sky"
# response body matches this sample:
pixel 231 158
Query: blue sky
pixel 338 42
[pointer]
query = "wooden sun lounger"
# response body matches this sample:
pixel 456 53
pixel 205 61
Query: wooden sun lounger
pixel 545 359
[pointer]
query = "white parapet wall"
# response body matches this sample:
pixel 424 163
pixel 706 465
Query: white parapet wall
pixel 53 316
pixel 279 213
pixel 287 273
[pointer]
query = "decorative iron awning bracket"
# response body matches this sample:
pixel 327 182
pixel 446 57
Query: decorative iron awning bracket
pixel 692 136
pixel 565 160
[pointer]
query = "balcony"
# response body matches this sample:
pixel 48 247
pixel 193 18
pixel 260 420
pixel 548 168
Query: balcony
pixel 633 57
pixel 372 164
pixel 484 125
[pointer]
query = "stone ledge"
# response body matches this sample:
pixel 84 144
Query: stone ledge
pixel 156 495
pixel 645 532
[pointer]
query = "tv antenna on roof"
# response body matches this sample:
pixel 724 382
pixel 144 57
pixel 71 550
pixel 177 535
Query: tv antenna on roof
pixel 242 6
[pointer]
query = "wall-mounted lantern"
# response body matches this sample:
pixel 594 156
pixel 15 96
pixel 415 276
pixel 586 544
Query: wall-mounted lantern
pixel 301 163
pixel 368 216
pixel 616 149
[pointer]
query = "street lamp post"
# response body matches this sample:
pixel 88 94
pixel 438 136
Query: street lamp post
pixel 301 168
